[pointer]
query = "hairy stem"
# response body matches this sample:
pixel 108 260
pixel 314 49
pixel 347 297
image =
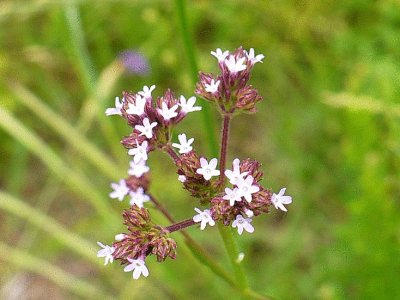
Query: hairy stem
pixel 172 153
pixel 224 148
pixel 180 225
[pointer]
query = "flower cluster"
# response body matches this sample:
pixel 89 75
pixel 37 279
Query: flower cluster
pixel 230 196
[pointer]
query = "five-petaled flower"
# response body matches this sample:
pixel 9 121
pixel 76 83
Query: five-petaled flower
pixel 138 107
pixel 234 65
pixel 106 252
pixel 184 146
pixel 168 113
pixel 146 129
pixel 232 195
pixel 243 223
pixel 138 197
pixel 138 169
pixel 140 152
pixel 234 175
pixel 188 105
pixel 204 217
pixel 246 187
pixel 117 109
pixel 254 59
pixel 120 190
pixel 138 267
pixel 212 87
pixel 146 93
pixel 208 169
pixel 219 54
pixel 280 199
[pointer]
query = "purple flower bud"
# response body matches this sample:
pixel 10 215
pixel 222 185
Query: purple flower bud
pixel 134 62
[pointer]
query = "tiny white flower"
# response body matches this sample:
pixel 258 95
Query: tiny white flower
pixel 138 107
pixel 117 109
pixel 140 152
pixel 146 93
pixel 246 187
pixel 168 113
pixel 184 146
pixel 106 252
pixel 256 59
pixel 249 213
pixel 232 196
pixel 242 223
pixel 120 237
pixel 208 169
pixel 187 106
pixel 138 169
pixel 280 199
pixel 204 217
pixel 120 190
pixel 138 197
pixel 212 87
pixel 138 267
pixel 182 178
pixel 147 128
pixel 219 54
pixel 234 65
pixel 234 175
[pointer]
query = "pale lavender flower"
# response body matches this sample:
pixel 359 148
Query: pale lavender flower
pixel 208 170
pixel 234 175
pixel 117 109
pixel 120 190
pixel 234 65
pixel 106 252
pixel 138 197
pixel 204 217
pixel 280 199
pixel 168 113
pixel 135 62
pixel 219 54
pixel 243 224
pixel 188 106
pixel 138 169
pixel 146 129
pixel 232 196
pixel 140 152
pixel 146 93
pixel 138 267
pixel 184 146
pixel 212 87
pixel 246 187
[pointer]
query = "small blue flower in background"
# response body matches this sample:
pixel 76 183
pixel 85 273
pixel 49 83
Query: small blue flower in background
pixel 134 62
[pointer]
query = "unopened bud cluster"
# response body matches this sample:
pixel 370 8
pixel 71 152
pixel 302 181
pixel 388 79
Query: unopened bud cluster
pixel 153 121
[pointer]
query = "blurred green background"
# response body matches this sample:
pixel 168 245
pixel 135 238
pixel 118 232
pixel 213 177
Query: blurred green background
pixel 328 129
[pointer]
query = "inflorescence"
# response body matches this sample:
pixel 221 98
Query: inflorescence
pixel 153 120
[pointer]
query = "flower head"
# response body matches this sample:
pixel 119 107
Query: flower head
pixel 204 217
pixel 117 109
pixel 187 106
pixel 146 129
pixel 234 65
pixel 212 87
pixel 138 107
pixel 219 54
pixel 208 170
pixel 243 224
pixel 138 197
pixel 120 190
pixel 234 175
pixel 138 169
pixel 232 196
pixel 280 199
pixel 168 113
pixel 140 152
pixel 146 93
pixel 138 267
pixel 106 252
pixel 246 187
pixel 184 146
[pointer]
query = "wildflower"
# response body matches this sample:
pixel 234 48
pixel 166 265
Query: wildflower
pixel 146 93
pixel 242 223
pixel 120 190
pixel 234 175
pixel 208 169
pixel 138 169
pixel 168 113
pixel 184 146
pixel 252 59
pixel 232 196
pixel 280 199
pixel 138 197
pixel 219 54
pixel 138 107
pixel 138 267
pixel 187 106
pixel 135 62
pixel 117 109
pixel 204 217
pixel 212 87
pixel 246 187
pixel 140 152
pixel 106 252
pixel 182 178
pixel 120 237
pixel 147 128
pixel 249 213
pixel 234 65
